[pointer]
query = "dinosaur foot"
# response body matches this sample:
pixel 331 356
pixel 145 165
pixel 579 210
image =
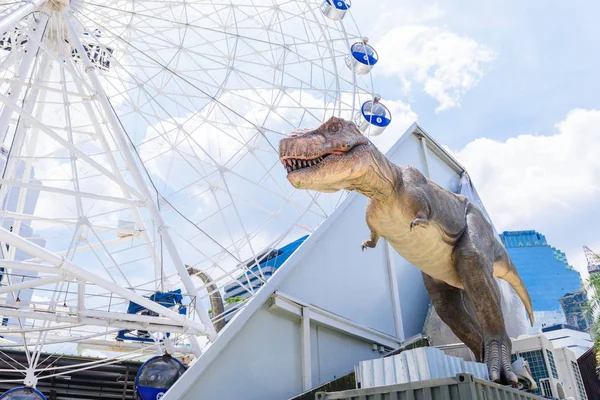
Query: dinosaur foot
pixel 368 243
pixel 496 354
pixel 423 223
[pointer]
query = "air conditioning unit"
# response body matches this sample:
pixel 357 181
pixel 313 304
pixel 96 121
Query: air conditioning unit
pixel 560 391
pixel 521 368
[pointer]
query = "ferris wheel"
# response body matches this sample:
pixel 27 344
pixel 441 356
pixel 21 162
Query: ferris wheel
pixel 140 170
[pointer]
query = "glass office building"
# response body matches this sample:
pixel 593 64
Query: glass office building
pixel 545 272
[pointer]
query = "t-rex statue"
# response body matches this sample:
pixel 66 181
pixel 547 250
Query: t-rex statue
pixel 441 233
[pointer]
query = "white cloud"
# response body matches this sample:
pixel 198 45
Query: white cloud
pixel 547 183
pixel 445 63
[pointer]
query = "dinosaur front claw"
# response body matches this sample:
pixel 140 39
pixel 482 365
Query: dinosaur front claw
pixel 368 243
pixel 496 353
pixel 419 222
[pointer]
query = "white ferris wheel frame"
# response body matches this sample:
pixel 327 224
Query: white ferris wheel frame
pixel 135 197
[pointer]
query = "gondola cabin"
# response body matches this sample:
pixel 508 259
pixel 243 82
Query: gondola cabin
pixel 335 9
pixel 373 117
pixel 23 393
pixel 362 57
pixel 157 375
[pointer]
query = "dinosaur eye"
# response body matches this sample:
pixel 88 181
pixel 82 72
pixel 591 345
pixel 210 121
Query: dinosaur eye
pixel 335 128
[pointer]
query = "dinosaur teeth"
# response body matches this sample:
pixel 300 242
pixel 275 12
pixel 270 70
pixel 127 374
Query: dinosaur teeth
pixel 294 164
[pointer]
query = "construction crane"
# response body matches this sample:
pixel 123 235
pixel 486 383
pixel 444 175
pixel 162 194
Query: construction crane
pixel 593 260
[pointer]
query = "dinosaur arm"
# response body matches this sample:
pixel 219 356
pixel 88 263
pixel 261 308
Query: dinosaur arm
pixel 371 242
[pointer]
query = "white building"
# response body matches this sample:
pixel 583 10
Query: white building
pixel 555 370
pixel 328 306
pixel 567 336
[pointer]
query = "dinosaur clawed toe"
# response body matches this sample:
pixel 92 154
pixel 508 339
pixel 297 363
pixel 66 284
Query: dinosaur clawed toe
pixel 496 354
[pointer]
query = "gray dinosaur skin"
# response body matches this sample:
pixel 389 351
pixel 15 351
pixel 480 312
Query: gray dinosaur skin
pixel 441 233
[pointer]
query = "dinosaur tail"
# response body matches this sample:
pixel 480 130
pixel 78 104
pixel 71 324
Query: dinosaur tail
pixel 512 276
pixel 216 301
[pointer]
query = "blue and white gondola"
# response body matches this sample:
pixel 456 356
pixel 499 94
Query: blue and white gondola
pixel 362 57
pixel 23 393
pixel 373 117
pixel 335 9
pixel 157 375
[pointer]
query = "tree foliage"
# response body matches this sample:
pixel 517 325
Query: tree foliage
pixel 593 289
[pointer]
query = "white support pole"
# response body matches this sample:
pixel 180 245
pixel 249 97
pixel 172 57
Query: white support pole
pixel 80 299
pixel 56 137
pixel 395 295
pixel 141 224
pixel 105 322
pixel 30 284
pixel 72 270
pixel 306 355
pixel 27 266
pixel 11 19
pixel 124 146
pixel 26 63
pixel 423 143
pixel 69 192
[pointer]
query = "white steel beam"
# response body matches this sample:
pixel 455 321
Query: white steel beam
pixel 64 221
pixel 11 19
pixel 29 284
pixel 132 163
pixel 80 299
pixel 394 293
pixel 288 304
pixel 423 144
pixel 111 345
pixel 65 143
pixel 29 266
pixel 113 323
pixel 72 270
pixel 141 224
pixel 15 88
pixel 306 355
pixel 69 192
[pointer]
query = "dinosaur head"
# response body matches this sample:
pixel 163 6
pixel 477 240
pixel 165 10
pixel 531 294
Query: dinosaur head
pixel 327 159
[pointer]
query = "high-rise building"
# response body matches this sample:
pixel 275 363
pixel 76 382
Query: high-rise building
pixel 575 307
pixel 593 260
pixel 545 272
pixel 555 370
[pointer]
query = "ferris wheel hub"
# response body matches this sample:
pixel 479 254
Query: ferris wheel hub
pixel 56 5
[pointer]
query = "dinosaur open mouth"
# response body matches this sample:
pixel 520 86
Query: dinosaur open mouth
pixel 297 164
pixel 294 164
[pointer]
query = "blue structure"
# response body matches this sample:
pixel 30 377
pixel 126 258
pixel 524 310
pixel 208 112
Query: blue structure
pixel 23 393
pixel 157 375
pixel 269 262
pixel 172 300
pixel 545 272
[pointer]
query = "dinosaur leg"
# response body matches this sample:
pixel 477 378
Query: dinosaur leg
pixel 456 311
pixel 474 264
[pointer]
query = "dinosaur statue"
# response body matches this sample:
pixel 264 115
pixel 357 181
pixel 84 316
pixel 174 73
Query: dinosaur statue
pixel 441 233
pixel 216 301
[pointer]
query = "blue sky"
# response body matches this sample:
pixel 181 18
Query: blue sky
pixel 523 111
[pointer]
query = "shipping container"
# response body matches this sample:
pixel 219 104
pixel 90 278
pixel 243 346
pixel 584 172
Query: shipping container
pixel 461 387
